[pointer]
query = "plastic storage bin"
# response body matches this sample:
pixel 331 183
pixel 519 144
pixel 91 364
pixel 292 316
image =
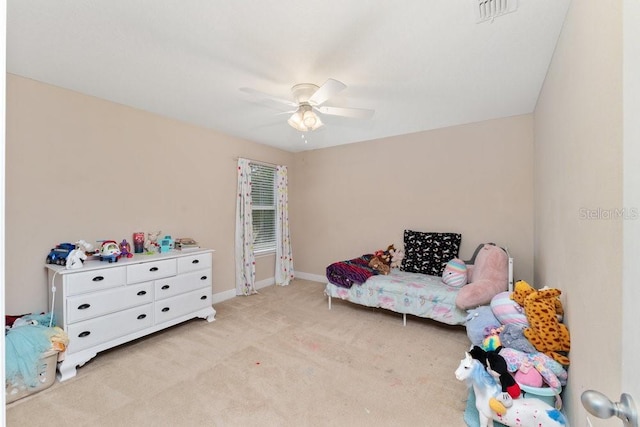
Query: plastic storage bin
pixel 46 377
pixel 546 394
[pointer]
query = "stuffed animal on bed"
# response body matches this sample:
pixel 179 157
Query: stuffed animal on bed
pixel 455 273
pixel 384 261
pixel 396 257
pixel 378 264
pixel 488 276
pixel 546 333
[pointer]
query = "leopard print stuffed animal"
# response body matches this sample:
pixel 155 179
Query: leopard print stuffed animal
pixel 542 308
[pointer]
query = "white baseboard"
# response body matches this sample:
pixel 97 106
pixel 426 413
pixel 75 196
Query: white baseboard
pixel 312 277
pixel 231 293
pixel 223 296
pixel 266 282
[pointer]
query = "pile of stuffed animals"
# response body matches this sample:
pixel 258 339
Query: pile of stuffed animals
pixel 521 340
pixel 384 261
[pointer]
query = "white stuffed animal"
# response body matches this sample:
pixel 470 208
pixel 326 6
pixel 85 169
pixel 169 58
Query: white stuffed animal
pixel 396 257
pixel 75 259
pixel 151 245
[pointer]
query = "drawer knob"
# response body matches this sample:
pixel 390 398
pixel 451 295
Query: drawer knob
pixel 203 278
pixel 84 334
pixel 142 293
pixel 165 287
pixel 83 306
pixel 153 269
pixel 98 278
pixel 203 297
pixel 164 310
pixel 142 316
pixel 195 261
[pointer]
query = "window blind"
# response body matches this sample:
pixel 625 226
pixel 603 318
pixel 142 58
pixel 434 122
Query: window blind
pixel 263 188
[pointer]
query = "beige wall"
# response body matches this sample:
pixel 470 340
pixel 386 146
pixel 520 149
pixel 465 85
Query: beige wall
pixel 475 179
pixel 578 166
pixel 83 168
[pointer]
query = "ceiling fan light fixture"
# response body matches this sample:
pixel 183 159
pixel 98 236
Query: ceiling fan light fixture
pixel 309 99
pixel 305 119
pixel 317 122
pixel 309 119
pixel 295 121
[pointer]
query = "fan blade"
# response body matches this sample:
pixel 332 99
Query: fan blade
pixel 355 113
pixel 267 97
pixel 326 91
pixel 286 112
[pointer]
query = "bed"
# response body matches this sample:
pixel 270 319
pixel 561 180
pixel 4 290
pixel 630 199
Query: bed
pixel 490 271
pixel 406 293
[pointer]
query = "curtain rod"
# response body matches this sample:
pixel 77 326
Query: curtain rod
pixel 258 162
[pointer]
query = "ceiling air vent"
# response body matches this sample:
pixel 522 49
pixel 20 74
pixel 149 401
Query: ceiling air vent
pixel 487 10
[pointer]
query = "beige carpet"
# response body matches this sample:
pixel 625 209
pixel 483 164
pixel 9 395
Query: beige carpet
pixel 279 358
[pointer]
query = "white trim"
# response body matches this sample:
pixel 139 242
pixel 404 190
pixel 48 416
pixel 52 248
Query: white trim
pixel 231 293
pixel 223 296
pixel 310 276
pixel 629 339
pixel 506 249
pixel 265 282
pixel 265 252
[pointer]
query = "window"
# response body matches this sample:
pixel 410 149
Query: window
pixel 263 188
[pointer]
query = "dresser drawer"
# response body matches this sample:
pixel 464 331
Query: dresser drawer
pixel 182 304
pixel 165 288
pixel 95 280
pixel 102 329
pixel 153 270
pixel 86 306
pixel 194 262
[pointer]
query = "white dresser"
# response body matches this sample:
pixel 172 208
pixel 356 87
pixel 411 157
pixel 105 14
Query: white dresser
pixel 102 304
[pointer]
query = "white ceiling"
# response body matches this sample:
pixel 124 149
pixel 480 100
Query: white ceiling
pixel 421 64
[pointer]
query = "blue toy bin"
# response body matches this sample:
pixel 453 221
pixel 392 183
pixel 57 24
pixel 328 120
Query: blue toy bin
pixel 546 394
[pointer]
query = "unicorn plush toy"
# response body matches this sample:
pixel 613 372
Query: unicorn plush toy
pixel 76 257
pixel 524 412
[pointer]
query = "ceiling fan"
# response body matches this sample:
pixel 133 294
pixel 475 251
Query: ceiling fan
pixel 307 101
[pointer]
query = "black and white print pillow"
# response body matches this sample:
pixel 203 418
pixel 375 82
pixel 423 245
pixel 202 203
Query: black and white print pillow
pixel 429 253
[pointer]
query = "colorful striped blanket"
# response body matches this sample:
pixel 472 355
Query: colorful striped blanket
pixel 353 271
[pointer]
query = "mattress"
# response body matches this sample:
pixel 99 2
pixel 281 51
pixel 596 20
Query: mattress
pixel 408 293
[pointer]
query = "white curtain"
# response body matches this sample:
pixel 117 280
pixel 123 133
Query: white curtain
pixel 284 257
pixel 245 260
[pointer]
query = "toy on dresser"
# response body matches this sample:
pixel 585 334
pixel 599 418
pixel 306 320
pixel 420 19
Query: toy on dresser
pixel 125 249
pixel 109 251
pixel 76 257
pixel 166 244
pixel 151 245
